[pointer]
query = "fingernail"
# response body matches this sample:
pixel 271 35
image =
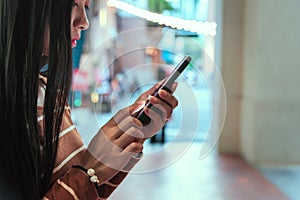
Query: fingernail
pixel 162 93
pixel 174 86
pixel 153 100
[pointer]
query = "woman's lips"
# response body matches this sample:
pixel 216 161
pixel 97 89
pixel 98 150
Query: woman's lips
pixel 74 43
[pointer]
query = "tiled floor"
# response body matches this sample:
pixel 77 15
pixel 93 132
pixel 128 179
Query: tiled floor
pixel 216 177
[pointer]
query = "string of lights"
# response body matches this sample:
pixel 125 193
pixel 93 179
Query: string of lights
pixel 206 28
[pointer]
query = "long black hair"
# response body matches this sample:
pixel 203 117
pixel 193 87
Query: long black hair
pixel 26 162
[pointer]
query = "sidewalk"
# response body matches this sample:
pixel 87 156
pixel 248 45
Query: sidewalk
pixel 187 177
pixel 217 177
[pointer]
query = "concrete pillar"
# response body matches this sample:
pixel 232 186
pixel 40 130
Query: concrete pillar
pixel 271 97
pixel 232 66
pixel 261 72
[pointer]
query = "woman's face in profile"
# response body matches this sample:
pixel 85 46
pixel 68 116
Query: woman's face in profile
pixel 79 22
pixel 79 19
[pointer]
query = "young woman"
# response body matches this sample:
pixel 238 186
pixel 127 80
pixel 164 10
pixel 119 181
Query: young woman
pixel 42 155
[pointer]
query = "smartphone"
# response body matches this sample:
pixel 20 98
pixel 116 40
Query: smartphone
pixel 166 85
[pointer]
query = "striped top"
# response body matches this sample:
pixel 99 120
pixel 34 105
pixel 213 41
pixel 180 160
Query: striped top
pixel 70 183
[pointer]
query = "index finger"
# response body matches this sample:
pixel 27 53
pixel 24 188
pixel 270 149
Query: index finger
pixel 155 89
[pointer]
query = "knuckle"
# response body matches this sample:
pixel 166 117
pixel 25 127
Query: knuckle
pixel 136 122
pixel 136 147
pixel 135 132
pixel 175 103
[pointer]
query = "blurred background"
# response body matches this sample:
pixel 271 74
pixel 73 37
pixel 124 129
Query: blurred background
pixel 235 132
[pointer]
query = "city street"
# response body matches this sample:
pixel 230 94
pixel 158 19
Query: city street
pixel 190 120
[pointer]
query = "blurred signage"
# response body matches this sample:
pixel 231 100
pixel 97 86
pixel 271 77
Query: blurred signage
pixel 80 80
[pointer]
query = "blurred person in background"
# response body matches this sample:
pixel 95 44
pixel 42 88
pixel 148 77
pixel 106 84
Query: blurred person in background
pixel 42 154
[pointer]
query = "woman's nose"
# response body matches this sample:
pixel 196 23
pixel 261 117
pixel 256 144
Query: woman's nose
pixel 82 21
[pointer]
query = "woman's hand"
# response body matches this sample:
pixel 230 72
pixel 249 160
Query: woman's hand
pixel 160 111
pixel 113 147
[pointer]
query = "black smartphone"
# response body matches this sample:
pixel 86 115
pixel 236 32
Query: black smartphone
pixel 166 85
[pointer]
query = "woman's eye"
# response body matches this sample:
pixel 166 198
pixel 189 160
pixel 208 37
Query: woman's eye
pixel 87 7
